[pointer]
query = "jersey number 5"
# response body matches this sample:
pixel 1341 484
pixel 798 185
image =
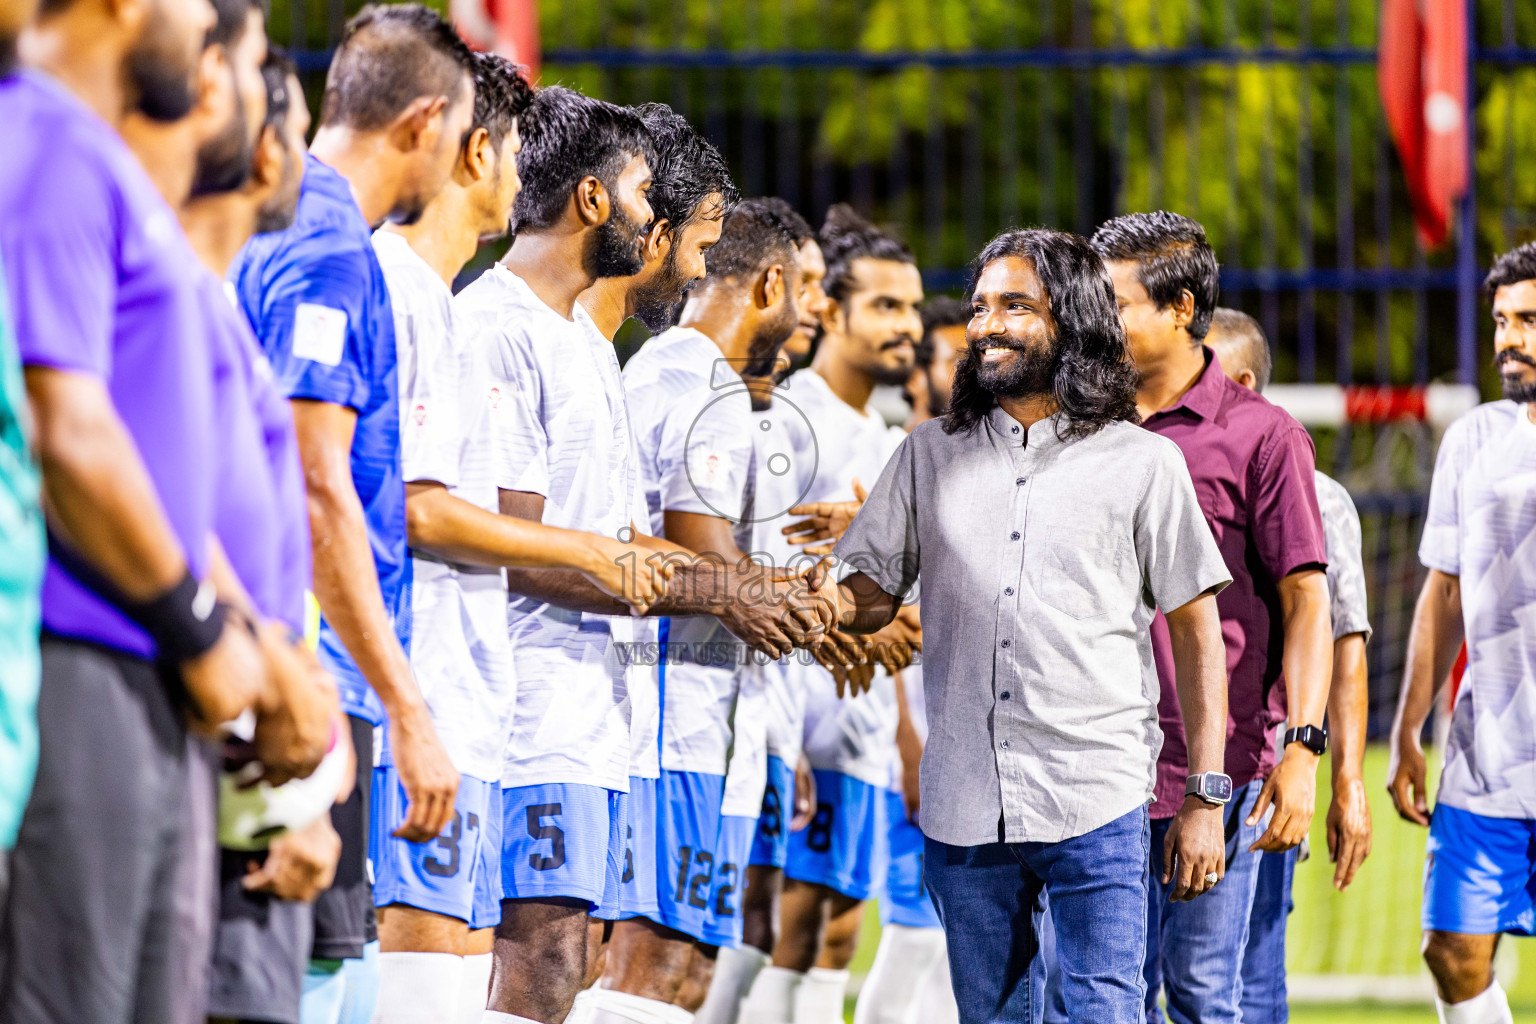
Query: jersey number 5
pixel 538 830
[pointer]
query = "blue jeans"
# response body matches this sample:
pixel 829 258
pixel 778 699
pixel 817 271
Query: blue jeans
pixel 991 900
pixel 1195 949
pixel 1264 998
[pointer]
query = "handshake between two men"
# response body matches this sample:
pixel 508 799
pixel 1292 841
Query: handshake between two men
pixel 774 609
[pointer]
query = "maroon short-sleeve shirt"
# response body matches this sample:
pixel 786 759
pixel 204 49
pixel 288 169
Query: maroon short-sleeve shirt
pixel 1252 465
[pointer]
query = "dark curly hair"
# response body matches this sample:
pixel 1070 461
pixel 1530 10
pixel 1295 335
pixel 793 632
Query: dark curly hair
pixel 791 218
pixel 756 234
pixel 502 94
pixel 1172 257
pixel 939 311
pixel 686 170
pixel 1519 264
pixel 1094 382
pixel 566 137
pixel 846 237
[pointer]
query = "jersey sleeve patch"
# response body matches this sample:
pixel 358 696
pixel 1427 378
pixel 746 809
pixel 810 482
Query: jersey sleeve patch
pixel 319 333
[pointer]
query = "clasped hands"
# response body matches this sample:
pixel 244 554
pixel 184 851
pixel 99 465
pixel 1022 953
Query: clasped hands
pixel 811 607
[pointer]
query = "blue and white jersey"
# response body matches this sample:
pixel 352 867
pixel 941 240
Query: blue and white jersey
pixel 316 297
pixel 1346 570
pixel 855 737
pixel 449 411
pixel 567 437
pixel 693 425
pixel 1481 527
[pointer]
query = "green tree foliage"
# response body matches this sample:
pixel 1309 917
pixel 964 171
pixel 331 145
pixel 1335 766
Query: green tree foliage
pixel 1286 163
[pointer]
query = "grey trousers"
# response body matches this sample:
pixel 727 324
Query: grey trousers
pixel 89 931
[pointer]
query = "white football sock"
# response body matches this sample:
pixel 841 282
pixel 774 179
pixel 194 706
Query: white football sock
pixel 1492 1007
pixel 418 988
pixel 495 1017
pixel 474 988
pixel 325 986
pixel 936 1002
pixel 772 997
pixel 362 977
pixel 610 1006
pixel 735 971
pixel 821 996
pixel 903 962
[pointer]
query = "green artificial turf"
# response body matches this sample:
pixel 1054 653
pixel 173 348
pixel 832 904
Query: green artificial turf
pixel 1371 929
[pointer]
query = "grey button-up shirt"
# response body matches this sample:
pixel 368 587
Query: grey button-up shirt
pixel 1042 563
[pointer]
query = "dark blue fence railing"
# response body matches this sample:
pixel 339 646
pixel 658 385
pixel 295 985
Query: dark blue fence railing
pixel 1271 136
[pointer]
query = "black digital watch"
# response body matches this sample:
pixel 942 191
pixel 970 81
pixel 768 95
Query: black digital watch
pixel 1313 737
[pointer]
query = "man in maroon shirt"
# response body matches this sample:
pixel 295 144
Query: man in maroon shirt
pixel 1252 466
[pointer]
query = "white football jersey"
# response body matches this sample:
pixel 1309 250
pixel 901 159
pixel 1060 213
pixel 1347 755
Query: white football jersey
pixel 746 775
pixel 1481 528
pixel 917 713
pixel 787 454
pixel 448 421
pixel 567 438
pixel 693 426
pixel 856 737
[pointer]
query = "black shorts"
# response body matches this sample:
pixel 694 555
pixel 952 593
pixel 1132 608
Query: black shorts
pixel 260 951
pixel 90 925
pixel 343 915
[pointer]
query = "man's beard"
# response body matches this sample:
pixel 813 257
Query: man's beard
pixel 763 353
pixel 615 251
pixel 1515 389
pixel 224 161
pixel 409 210
pixel 278 212
pixel 659 301
pixel 163 77
pixel 889 375
pixel 1032 371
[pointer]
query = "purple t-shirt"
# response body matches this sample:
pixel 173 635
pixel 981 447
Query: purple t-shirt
pixel 261 520
pixel 104 284
pixel 1252 465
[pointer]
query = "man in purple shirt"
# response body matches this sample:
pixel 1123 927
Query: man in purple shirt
pixel 1252 466
pixel 118 375
pixel 247 181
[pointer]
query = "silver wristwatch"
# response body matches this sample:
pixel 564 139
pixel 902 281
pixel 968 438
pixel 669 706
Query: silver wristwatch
pixel 1212 787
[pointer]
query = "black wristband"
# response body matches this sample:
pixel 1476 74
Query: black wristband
pixel 184 622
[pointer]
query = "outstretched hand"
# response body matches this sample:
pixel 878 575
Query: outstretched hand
pixel 826 522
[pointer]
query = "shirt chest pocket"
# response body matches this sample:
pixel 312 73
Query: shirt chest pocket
pixel 1077 569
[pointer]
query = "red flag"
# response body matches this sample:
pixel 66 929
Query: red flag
pixel 507 27
pixel 1422 74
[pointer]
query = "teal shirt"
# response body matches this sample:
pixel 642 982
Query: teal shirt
pixel 23 549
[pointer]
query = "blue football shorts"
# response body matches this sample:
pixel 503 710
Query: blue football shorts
pixel 770 840
pixel 905 900
pixel 1479 874
pixel 844 847
pixel 458 874
pixel 563 839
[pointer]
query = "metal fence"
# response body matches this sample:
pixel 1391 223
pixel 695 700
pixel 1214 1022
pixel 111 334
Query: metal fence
pixel 954 119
